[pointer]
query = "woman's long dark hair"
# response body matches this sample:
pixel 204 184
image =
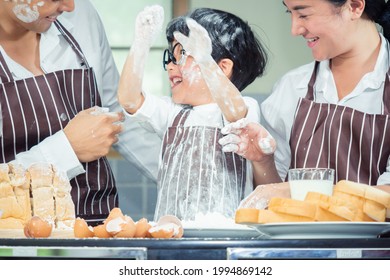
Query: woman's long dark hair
pixel 231 38
pixel 376 10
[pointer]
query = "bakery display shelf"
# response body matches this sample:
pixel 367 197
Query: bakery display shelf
pixel 195 248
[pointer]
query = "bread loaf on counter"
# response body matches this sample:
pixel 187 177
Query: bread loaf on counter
pixel 38 191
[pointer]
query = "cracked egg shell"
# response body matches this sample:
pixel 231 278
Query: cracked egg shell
pixel 81 229
pixel 114 213
pixel 141 228
pixel 101 232
pixel 121 227
pixel 174 220
pixel 161 232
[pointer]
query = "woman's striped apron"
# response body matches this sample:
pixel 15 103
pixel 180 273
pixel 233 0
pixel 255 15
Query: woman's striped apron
pixel 195 175
pixel 354 143
pixel 37 107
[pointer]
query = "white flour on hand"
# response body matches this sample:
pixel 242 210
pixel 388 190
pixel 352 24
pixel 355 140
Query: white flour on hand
pixel 148 26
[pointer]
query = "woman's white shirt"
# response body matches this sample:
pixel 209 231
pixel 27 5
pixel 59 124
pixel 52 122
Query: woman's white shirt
pixel 56 54
pixel 278 110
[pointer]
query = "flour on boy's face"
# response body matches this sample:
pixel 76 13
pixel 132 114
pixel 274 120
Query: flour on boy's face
pixel 187 84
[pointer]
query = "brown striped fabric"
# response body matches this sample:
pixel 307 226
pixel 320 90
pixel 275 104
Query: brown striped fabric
pixel 195 175
pixel 37 107
pixel 354 143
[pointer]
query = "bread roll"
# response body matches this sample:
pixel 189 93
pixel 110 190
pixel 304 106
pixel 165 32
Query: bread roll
pixel 11 208
pixel 6 190
pixel 20 181
pixel 64 206
pixel 4 170
pixel 11 223
pixel 41 175
pixel 43 203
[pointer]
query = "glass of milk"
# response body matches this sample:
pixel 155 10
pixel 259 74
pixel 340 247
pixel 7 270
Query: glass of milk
pixel 304 180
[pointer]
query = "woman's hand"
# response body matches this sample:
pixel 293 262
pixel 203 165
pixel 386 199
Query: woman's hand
pixel 247 139
pixel 92 132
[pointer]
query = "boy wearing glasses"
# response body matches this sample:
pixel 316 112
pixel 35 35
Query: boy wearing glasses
pixel 212 56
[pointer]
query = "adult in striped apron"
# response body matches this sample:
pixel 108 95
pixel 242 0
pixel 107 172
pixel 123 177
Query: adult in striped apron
pixel 195 176
pixel 354 143
pixel 37 107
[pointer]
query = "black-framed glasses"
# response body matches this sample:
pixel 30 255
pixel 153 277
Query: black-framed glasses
pixel 176 56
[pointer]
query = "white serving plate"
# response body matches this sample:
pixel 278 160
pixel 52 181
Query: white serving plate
pixel 315 230
pixel 236 231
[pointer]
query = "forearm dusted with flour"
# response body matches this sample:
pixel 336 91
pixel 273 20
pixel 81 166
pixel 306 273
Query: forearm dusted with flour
pixel 225 94
pixel 130 85
pixel 147 27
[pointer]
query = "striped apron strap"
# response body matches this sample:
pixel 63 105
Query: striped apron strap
pixel 5 73
pixel 386 94
pixel 72 41
pixel 310 89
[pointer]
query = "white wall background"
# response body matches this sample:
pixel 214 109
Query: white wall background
pixel 268 18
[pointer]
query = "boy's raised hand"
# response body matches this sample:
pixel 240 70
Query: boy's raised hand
pixel 198 43
pixel 148 25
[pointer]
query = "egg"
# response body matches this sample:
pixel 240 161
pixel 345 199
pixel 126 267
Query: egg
pixel 121 227
pixel 101 232
pixel 170 219
pixel 164 231
pixel 82 230
pixel 141 228
pixel 114 213
pixel 36 227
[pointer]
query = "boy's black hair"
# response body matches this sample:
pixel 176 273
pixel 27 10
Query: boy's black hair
pixel 231 38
